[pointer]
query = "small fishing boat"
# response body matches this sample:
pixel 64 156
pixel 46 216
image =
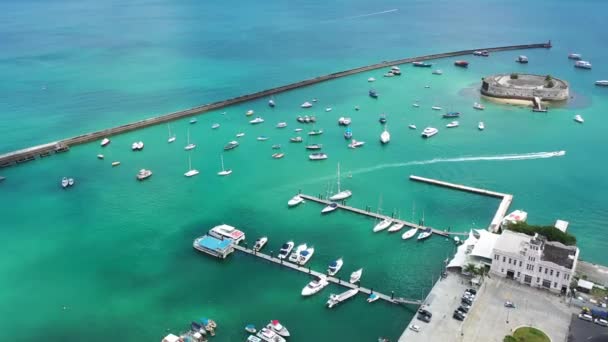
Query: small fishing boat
pixel 223 172
pixel 116 163
pixel 278 155
pixel 452 124
pixel 143 174
pixel 231 145
pixel 425 234
pixel 100 156
pixel 262 138
pixel 337 299
pixel 451 115
pixel 356 143
pixel 317 156
pixel 314 147
pixel 285 249
pixel 294 255
pixel 239 135
pixel 193 121
pixel 64 182
pixel 372 297
pixel 436 108
pixel 249 112
pixel 282 125
pixel 278 328
pixel 438 72
pixel 348 133
pixel 296 139
pixel 257 120
pixel 276 147
pixel 422 64
pixel 481 126
pixel 478 106
pixel 357 108
pixel 582 65
pixel 575 56
pixel 329 208
pixel 373 94
pixel 306 255
pixel 429 132
pixel 382 225
pixel 250 328
pixel 328 109
pixel 412 126
pixel 602 83
pixel 295 200
pixel 462 64
pixel 105 142
pixel 409 234
pixel 215 126
pixel 315 286
pixel 578 118
pixel 306 105
pixel 396 227
pixel 371 79
pixel 356 276
pixel 316 132
pixel 382 118
pixel 334 267
pixel 522 59
pixel 260 243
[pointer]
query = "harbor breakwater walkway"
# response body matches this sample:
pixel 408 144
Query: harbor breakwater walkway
pixel 31 153
pixel 334 280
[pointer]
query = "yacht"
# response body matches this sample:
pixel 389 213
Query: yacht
pixel 295 200
pixel 342 121
pixel 373 94
pixel 105 142
pixel 239 135
pixel 578 118
pixel 315 286
pixel 356 276
pixel 478 106
pixel 329 208
pixel 602 83
pixel 269 335
pixel 143 174
pixel 231 145
pixel 296 139
pixel 522 59
pixel 260 243
pixel 575 56
pixel 328 109
pixel 337 299
pixel 451 115
pixel 356 143
pixel 481 126
pixel 372 297
pixel 348 133
pixel 215 126
pixel 438 72
pixel 223 172
pixel 193 121
pixel 412 126
pixel 262 138
pixel 64 182
pixel 137 146
pixel 371 79
pixel 436 108
pixel 385 136
pixel 191 172
pixel 422 64
pixel 278 155
pixel 429 132
pixel 278 328
pixel 314 147
pixel 395 68
pixel 256 121
pixel 294 255
pixel 225 231
pixel 425 234
pixel 285 249
pixel 382 225
pixel 271 103
pixel 582 65
pixel 396 227
pixel 190 145
pixel 341 194
pixel 306 105
pixel 334 267
pixel 306 255
pixel 282 125
pixel 452 124
pixel 409 234
pixel 317 156
pixel 462 64
pixel 316 132
pixel 249 112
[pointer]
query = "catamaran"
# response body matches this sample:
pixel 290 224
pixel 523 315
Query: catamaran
pixel 190 145
pixel 429 132
pixel 340 195
pixel 334 267
pixel 224 172
pixel 191 172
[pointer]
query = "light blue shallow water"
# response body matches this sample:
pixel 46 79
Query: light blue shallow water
pixel 117 253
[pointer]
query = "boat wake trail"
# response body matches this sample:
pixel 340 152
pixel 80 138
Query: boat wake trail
pixel 365 15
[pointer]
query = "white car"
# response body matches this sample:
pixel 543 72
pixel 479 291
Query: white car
pixel 601 322
pixel 585 317
pixel 416 328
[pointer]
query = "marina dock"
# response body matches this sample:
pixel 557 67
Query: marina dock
pixel 31 153
pixel 334 280
pixel 501 212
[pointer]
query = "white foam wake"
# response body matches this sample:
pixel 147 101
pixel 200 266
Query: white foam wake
pixel 364 15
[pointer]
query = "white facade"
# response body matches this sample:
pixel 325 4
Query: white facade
pixel 533 261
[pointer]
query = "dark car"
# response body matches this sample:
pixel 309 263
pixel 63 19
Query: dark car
pixel 473 291
pixel 457 315
pixel 425 312
pixel 466 301
pixel 424 318
pixel 463 309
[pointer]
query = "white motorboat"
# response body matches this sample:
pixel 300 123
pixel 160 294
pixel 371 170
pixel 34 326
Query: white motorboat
pixel 334 267
pixel 425 234
pixel 452 124
pixel 409 234
pixel 522 59
pixel 269 335
pixel 306 105
pixel 295 200
pixel 382 225
pixel 249 112
pixel 602 83
pixel 389 74
pixel 285 249
pixel 278 155
pixel 329 208
pixel 395 68
pixel 294 255
pixel 438 72
pixel 190 145
pixel 429 132
pixel 575 56
pixel 278 328
pixel 317 156
pixel 297 130
pixel 315 286
pixel 356 276
pixel 223 172
pixel 341 194
pixel 71 181
pixel 356 143
pixel 481 126
pixel 478 106
pixel 282 125
pixel 582 65
pixel 215 126
pixel 100 156
pixel 578 118
pixel 385 136
pixel 143 174
pixel 262 138
pixel 116 163
pixel 356 107
pixel 260 243
pixel 328 109
pixel 256 121
pixel 137 146
pixel 371 79
pixel 296 139
pixel 306 255
pixel 231 145
pixel 64 182
pixel 412 126
pixel 105 142
pixel 436 108
pixel 271 103
pixel 372 297
pixel 191 172
pixel 239 135
pixel 276 147
pixel 337 299
pixel 316 132
pixel 314 99
pixel 344 121
pixel 396 227
pixel 193 121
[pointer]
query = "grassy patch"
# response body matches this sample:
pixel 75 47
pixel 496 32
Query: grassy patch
pixel 527 334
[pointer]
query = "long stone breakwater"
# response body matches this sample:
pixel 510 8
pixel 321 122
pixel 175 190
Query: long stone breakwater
pixel 44 150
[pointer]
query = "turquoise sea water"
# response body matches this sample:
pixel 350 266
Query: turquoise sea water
pixel 112 258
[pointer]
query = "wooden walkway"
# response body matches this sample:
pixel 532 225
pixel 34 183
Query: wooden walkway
pixel 334 280
pixel 377 215
pixel 32 153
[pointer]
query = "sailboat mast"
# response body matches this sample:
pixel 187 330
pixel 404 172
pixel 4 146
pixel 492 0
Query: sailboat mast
pixel 189 162
pixel 222 159
pixel 338 177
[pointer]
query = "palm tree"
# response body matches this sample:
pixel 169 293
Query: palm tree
pixel 470 269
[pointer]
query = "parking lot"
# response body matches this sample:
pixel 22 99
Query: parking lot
pixel 583 331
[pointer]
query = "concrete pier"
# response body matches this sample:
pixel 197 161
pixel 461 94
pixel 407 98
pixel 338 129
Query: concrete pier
pixel 31 153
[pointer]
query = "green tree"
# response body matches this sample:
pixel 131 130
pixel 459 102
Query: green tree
pixel 470 268
pixel 514 76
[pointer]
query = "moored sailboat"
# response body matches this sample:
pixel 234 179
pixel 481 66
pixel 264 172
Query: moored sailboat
pixel 223 172
pixel 340 195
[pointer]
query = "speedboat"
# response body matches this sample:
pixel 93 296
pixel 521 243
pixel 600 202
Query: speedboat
pixel 314 99
pixel 436 108
pixel 250 328
pixel 373 94
pixel 296 139
pixel 478 106
pixel 409 234
pixel 396 227
pixel 429 132
pixel 269 335
pixel 215 126
pixel 415 105
pixel 193 121
pixel 100 156
pixel 294 255
pixel 328 109
pixel 356 143
pixel 371 79
pixel 262 138
pixel 481 126
pixel 337 299
pixel 348 133
pixel 316 132
pixel 382 118
pixel 382 225
pixel 578 118
pixel 485 53
pixel 143 174
pixel 452 124
pixel 278 155
pixel 249 112
pixel 602 83
pixel 582 65
pixel 306 255
pixel 477 53
pixel 395 68
pixel 64 182
pixel 241 134
pixel 314 147
pixel 306 105
pixel 425 234
pixel 385 136
pixel 372 297
pixel 260 243
pixel 329 208
pixel 282 125
pixel 315 286
pixel 451 115
pixel 389 74
pixel 285 249
pixel 278 328
pixel 317 156
pixel 231 145
pixel 356 276
pixel 462 64
pixel 412 126
pixel 522 59
pixel 276 147
pixel 575 56
pixel 271 103
pixel 256 121
pixel 116 163
pixel 297 130
pixel 105 142
pixel 438 72
pixel 422 64
pixel 334 267
pixel 295 200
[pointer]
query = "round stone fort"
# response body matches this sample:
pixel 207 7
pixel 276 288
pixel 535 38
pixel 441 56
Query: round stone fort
pixel 525 87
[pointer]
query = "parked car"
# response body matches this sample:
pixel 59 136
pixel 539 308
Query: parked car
pixel 425 312
pixel 509 304
pixel 415 328
pixel 601 322
pixel 585 317
pixel 469 294
pixel 473 291
pixel 466 301
pixel 423 318
pixel 457 315
pixel 463 309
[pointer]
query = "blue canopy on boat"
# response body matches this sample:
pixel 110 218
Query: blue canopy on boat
pixel 250 327
pixel 333 264
pixel 285 246
pixel 304 253
pixel 204 320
